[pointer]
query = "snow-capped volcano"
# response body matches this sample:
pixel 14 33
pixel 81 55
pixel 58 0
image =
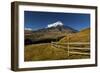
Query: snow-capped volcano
pixel 58 23
pixel 52 32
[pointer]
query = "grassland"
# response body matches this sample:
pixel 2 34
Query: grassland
pixel 38 52
pixel 61 49
pixel 43 52
pixel 82 36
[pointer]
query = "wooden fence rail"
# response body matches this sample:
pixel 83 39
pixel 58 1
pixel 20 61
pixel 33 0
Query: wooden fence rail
pixel 68 48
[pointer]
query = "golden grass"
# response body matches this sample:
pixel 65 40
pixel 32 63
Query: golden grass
pixel 82 36
pixel 43 52
pixel 47 52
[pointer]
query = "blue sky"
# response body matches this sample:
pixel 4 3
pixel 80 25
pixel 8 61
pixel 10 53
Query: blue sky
pixel 38 20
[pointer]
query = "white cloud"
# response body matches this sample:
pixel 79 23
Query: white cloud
pixel 55 24
pixel 28 29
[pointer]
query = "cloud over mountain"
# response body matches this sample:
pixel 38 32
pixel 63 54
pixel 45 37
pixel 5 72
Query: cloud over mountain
pixel 28 29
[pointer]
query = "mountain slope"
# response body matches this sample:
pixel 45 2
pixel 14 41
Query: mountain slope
pixel 82 36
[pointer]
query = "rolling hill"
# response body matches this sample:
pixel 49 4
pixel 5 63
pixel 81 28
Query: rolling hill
pixel 82 36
